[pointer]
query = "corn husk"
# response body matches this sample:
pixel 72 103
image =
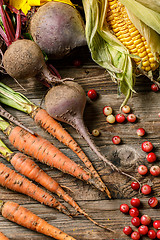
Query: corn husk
pixel 108 51
pixel 152 4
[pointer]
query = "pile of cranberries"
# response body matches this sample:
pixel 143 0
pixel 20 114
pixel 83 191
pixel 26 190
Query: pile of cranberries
pixel 143 223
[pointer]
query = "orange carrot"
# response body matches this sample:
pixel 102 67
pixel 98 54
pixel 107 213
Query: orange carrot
pixel 2 237
pixel 41 117
pixel 14 181
pixel 22 216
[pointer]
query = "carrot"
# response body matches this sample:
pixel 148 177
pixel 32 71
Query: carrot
pixel 30 169
pixel 22 216
pixel 14 181
pixel 17 100
pixel 2 237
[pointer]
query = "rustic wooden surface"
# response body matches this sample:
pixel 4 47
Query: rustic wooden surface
pixel 127 156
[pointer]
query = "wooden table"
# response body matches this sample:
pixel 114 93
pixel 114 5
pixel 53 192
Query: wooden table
pixel 127 156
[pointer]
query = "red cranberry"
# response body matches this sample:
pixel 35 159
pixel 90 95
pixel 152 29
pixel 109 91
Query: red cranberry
pixel 127 230
pixel 156 224
pixel 135 202
pixel 136 221
pixel 151 157
pixel 120 118
pixel 152 234
pixel 153 202
pixel 126 109
pixel 116 140
pixel 154 87
pixel 134 212
pixel 140 132
pixel 155 171
pixel 131 118
pixel 158 234
pixel 135 186
pixel 143 229
pixel 77 63
pixel 92 94
pixel 147 146
pixel 142 169
pixel 124 208
pixel 145 220
pixel 146 189
pixel 135 235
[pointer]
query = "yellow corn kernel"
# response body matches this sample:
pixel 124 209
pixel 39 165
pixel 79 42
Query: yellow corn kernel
pixel 119 22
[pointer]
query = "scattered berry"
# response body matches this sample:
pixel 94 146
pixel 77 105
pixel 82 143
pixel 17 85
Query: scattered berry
pixel 107 110
pixel 146 189
pixel 142 169
pixel 135 186
pixel 147 146
pixel 152 234
pixel 151 157
pixel 110 119
pixel 126 109
pixel 158 234
pixel 77 63
pixel 135 202
pixel 92 94
pixel 131 118
pixel 143 229
pixel 120 118
pixel 127 230
pixel 124 208
pixel 154 87
pixel 140 132
pixel 95 133
pixel 155 171
pixel 116 140
pixel 134 212
pixel 145 220
pixel 156 224
pixel 135 235
pixel 153 202
pixel 135 221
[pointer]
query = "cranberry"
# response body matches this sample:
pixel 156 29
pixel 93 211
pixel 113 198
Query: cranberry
pixel 145 220
pixel 92 94
pixel 151 157
pixel 153 202
pixel 142 169
pixel 77 63
pixel 158 234
pixel 152 234
pixel 140 132
pixel 95 133
pixel 135 202
pixel 155 171
pixel 127 230
pixel 126 109
pixel 154 87
pixel 147 146
pixel 135 235
pixel 146 189
pixel 134 212
pixel 110 119
pixel 116 140
pixel 135 186
pixel 107 110
pixel 143 229
pixel 131 118
pixel 120 118
pixel 136 221
pixel 156 224
pixel 124 208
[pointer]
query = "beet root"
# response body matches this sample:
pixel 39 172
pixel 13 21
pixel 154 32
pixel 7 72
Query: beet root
pixel 57 28
pixel 66 102
pixel 24 59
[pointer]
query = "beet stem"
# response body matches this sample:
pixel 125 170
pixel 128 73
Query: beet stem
pixel 4 37
pixel 10 23
pixel 18 29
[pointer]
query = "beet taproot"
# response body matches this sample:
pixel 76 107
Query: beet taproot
pixel 57 28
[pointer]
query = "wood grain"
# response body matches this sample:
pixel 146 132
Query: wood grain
pixel 127 156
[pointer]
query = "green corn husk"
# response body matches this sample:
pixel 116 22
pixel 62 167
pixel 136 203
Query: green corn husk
pixel 108 51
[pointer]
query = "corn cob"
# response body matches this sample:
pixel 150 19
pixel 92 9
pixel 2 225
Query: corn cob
pixel 122 27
